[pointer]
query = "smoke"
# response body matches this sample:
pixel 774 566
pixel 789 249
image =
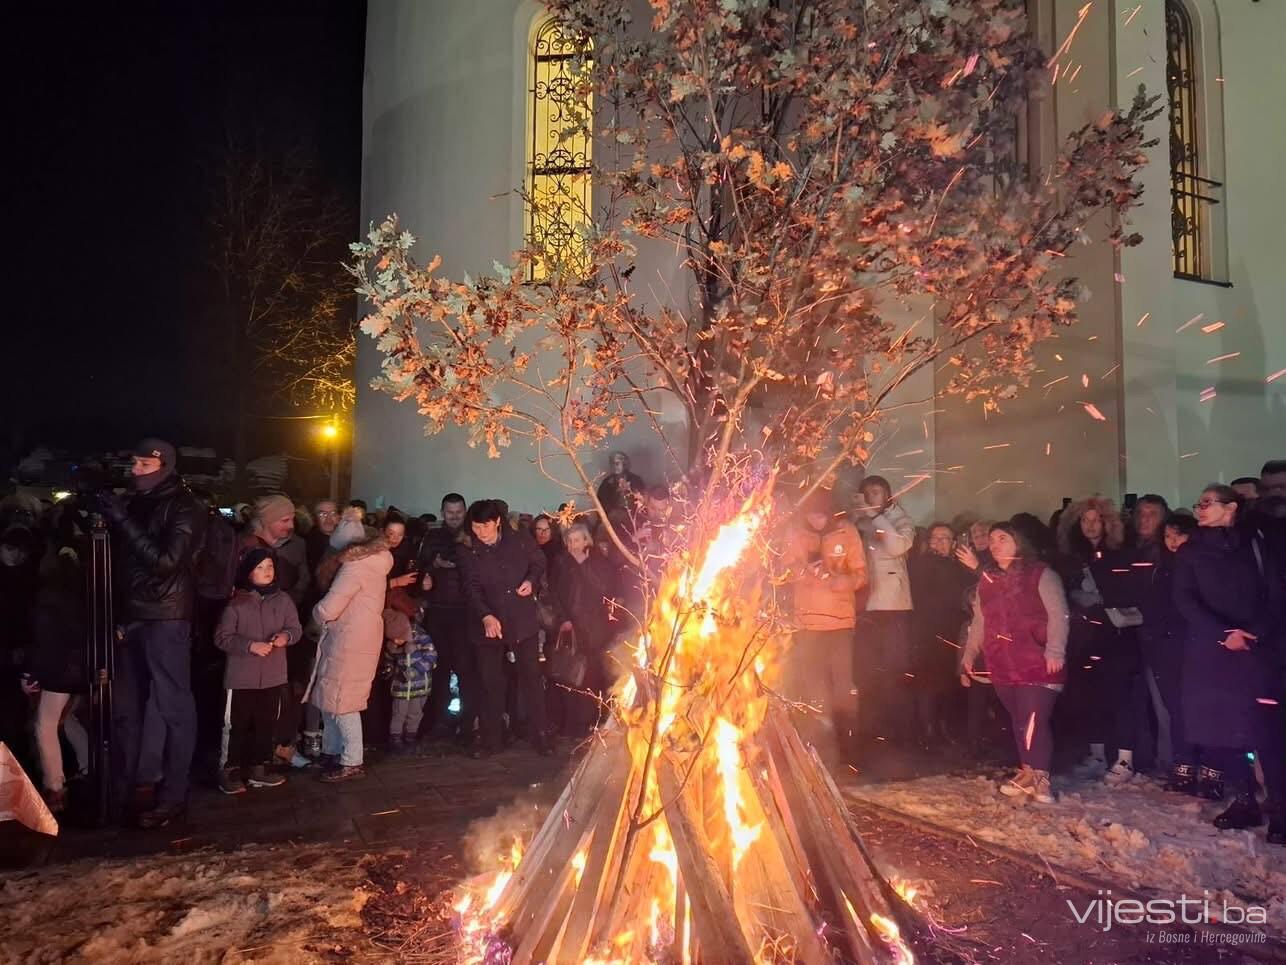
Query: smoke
pixel 489 842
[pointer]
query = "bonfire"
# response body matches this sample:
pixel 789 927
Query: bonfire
pixel 698 827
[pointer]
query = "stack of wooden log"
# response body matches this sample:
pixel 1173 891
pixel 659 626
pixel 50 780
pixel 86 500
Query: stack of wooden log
pixel 638 862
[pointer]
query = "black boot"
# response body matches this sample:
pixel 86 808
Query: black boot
pixel 1183 779
pixel 1243 812
pixel 1210 784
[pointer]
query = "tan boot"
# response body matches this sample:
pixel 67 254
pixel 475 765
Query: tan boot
pixel 1020 784
pixel 1041 791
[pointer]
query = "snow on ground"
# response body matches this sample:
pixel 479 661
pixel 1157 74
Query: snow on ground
pixel 261 904
pixel 1138 835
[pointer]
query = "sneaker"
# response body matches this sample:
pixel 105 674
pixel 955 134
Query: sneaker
pixel 1183 779
pixel 310 745
pixel 260 777
pixel 344 772
pixel 1020 784
pixel 300 761
pixel 230 782
pixel 1210 784
pixel 1122 772
pixel 161 815
pixel 1041 791
pixel 1242 813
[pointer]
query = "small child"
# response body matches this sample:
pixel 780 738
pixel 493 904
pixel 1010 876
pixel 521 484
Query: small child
pixel 258 623
pixel 409 658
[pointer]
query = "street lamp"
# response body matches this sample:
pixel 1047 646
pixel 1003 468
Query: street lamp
pixel 330 433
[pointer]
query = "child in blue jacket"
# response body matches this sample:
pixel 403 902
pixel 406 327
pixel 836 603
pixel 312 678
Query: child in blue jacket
pixel 409 658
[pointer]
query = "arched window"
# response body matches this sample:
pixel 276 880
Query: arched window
pixel 559 151
pixel 1196 193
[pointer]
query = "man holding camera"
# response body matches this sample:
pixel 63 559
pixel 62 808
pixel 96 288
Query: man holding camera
pixel 157 532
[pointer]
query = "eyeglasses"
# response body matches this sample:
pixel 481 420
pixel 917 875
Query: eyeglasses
pixel 1207 503
pixel 327 512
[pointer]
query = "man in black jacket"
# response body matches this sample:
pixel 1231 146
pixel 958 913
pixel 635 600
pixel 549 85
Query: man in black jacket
pixel 500 570
pixel 446 618
pixel 157 533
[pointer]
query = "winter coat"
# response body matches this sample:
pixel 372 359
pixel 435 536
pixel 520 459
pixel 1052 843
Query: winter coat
pixel 491 576
pixel 825 599
pixel 409 666
pixel 352 615
pixel 448 589
pixel 1019 622
pixel 56 657
pixel 889 537
pixel 612 490
pixel 158 538
pixel 1162 632
pixel 250 618
pixel 1221 583
pixel 582 594
pixel 17 594
pixel 942 588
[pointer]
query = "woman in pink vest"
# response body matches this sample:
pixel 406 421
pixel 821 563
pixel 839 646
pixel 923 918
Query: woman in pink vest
pixel 1020 626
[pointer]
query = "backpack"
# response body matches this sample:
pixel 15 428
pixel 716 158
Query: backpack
pixel 215 564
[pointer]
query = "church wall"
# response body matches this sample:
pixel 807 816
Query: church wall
pixel 1178 443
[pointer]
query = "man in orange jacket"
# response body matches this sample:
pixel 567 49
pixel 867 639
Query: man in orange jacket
pixel 828 568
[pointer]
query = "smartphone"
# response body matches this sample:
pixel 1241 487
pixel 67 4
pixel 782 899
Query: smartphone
pixel 1131 499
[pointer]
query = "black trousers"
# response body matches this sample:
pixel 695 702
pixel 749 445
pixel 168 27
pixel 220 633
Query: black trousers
pixel 494 681
pixel 881 661
pixel 449 631
pixel 252 724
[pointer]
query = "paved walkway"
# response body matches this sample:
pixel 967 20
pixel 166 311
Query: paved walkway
pixel 399 796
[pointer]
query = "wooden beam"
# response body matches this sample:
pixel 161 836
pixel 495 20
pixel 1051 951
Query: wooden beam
pixel 713 918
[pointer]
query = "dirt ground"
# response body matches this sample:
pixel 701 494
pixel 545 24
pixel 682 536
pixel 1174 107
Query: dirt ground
pixel 371 887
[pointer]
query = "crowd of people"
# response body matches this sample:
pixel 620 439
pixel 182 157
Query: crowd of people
pixel 1147 639
pixel 289 638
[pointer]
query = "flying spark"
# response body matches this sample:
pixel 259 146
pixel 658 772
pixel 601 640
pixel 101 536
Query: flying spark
pixel 1222 358
pixel 1212 327
pixel 1275 376
pixel 1190 322
pixel 1142 318
pixel 1094 412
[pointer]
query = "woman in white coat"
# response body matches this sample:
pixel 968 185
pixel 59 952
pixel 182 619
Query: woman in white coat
pixel 348 654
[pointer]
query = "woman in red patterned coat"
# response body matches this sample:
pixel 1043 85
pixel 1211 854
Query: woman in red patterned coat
pixel 1020 626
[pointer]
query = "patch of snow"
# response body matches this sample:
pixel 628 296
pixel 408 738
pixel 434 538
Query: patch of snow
pixel 1136 835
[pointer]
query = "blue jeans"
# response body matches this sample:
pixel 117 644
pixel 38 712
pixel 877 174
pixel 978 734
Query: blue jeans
pixel 153 664
pixel 342 735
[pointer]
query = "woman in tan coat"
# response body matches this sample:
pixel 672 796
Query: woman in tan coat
pixel 348 654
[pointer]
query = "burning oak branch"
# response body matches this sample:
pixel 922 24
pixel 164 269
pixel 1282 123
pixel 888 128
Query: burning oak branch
pixel 824 170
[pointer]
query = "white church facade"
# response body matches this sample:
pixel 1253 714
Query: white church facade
pixel 1181 344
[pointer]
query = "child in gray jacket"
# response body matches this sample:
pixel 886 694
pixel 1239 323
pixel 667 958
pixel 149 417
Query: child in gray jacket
pixel 257 625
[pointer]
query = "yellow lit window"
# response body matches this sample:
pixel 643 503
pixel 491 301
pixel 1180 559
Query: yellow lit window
pixel 559 152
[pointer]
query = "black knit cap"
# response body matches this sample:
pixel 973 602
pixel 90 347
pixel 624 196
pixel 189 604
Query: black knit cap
pixel 152 448
pixel 246 566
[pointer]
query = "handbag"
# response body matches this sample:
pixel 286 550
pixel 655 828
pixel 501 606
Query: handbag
pixel 1124 616
pixel 566 662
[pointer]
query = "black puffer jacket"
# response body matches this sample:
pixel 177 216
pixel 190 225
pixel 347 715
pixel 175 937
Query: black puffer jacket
pixel 157 541
pixel 491 576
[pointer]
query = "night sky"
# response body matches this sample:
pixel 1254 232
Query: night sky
pixel 115 114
